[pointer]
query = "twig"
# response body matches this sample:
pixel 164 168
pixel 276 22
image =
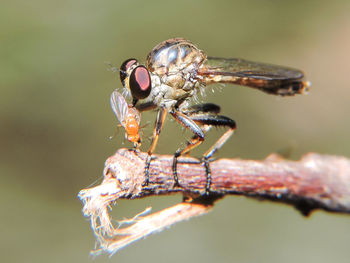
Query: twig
pixel 314 182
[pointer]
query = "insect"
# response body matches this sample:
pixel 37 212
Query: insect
pixel 176 71
pixel 128 116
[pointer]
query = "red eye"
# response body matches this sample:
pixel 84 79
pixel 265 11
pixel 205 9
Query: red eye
pixel 124 68
pixel 140 83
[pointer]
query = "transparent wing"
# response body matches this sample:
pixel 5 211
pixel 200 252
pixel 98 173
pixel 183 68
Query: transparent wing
pixel 119 106
pixel 273 79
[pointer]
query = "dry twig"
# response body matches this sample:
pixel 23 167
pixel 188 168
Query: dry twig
pixel 314 182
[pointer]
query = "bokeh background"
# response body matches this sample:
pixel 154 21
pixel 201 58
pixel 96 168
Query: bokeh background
pixel 56 120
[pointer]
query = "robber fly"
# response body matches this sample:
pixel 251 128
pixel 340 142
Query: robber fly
pixel 128 117
pixel 176 71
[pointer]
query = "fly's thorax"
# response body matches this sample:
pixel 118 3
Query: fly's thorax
pixel 173 66
pixel 163 95
pixel 166 92
pixel 175 56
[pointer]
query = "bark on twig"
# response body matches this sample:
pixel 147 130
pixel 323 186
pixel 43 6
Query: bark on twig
pixel 313 182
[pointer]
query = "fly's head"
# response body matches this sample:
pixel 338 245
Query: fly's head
pixel 136 78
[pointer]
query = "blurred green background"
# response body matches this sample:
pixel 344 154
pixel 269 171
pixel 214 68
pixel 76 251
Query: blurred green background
pixel 56 120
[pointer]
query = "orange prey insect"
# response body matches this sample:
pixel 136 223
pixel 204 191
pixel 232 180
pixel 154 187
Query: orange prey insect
pixel 128 116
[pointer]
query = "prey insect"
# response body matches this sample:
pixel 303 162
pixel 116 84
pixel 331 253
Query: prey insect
pixel 176 71
pixel 128 117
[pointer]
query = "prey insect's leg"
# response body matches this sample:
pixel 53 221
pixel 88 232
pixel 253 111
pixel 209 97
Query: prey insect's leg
pixel 214 120
pixel 198 138
pixel 157 129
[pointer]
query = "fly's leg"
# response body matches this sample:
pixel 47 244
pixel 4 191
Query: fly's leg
pixel 156 131
pixel 217 121
pixel 195 141
pixel 209 108
pixel 206 116
pixel 198 138
pixel 205 109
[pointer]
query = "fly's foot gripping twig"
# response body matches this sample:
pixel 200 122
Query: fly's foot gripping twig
pixel 206 163
pixel 149 159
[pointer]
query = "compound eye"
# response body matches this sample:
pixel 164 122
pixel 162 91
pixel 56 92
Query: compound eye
pixel 140 82
pixel 125 67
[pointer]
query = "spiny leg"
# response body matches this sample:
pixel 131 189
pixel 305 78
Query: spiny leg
pixel 199 110
pixel 203 108
pixel 205 116
pixel 184 118
pixel 198 138
pixel 217 121
pixel 156 131
pixel 214 120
